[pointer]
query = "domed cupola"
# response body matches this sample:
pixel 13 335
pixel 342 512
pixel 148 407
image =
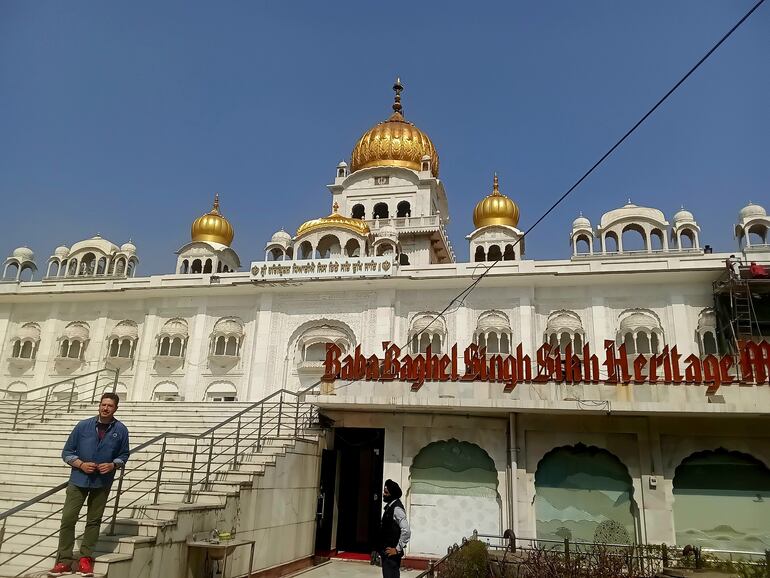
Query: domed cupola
pixel 394 143
pixel 496 237
pixel 495 209
pixel 209 250
pixel 213 227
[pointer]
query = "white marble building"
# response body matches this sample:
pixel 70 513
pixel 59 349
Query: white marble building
pixel 379 268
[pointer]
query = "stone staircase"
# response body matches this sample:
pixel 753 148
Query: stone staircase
pixel 247 476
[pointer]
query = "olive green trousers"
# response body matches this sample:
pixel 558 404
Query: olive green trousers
pixel 73 502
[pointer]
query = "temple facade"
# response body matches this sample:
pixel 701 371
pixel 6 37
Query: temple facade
pixel 678 456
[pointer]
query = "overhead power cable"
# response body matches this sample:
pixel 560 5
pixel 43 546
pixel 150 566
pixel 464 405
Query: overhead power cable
pixel 467 291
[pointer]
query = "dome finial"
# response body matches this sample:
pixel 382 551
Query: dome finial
pixel 335 207
pixel 496 185
pixel 397 88
pixel 215 208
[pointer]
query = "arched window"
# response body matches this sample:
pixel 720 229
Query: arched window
pixel 706 332
pixel 197 266
pixel 358 212
pixel 381 211
pixel 74 340
pixel 328 247
pixel 305 250
pixel 403 259
pixel 226 337
pixel 509 254
pixel 403 209
pixel 126 348
pixel 611 242
pixel 494 253
pixel 582 245
pixel 310 341
pixel 656 238
pixel 427 329
pixel 640 331
pixel 176 347
pixel 221 391
pixel 207 267
pixel 686 239
pixel 26 342
pixel 634 238
pixel 386 248
pixel 564 327
pixel 172 339
pixel 353 248
pixel 185 268
pixel 479 255
pixel 584 494
pixel 493 331
pixel 166 391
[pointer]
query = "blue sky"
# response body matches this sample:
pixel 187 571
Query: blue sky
pixel 124 118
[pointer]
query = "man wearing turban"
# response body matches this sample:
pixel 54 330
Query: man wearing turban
pixel 394 531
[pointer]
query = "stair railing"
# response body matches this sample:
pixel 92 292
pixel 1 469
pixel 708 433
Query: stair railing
pixel 61 396
pixel 178 466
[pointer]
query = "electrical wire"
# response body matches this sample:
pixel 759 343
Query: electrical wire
pixel 467 291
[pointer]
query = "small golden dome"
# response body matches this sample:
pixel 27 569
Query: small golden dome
pixel 335 220
pixel 496 209
pixel 213 227
pixel 394 143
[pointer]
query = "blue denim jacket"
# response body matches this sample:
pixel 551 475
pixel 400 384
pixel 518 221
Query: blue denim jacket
pixel 83 443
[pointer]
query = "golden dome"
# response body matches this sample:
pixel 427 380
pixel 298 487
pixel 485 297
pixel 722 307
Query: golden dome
pixel 335 220
pixel 496 209
pixel 394 143
pixel 213 227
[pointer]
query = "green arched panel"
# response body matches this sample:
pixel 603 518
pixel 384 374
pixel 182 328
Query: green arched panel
pixel 584 494
pixel 722 501
pixel 453 491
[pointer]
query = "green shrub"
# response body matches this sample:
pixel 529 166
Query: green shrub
pixel 471 561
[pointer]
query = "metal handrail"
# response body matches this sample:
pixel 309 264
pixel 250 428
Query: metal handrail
pixel 24 405
pixel 69 379
pixel 249 438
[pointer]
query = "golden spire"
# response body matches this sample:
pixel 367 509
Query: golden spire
pixel 335 207
pixel 213 227
pixel 397 88
pixel 496 209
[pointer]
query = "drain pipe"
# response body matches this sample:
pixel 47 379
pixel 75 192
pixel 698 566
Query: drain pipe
pixel 511 467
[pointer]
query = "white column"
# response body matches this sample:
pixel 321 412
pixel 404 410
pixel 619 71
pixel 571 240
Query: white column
pixel 196 356
pixel 144 357
pixel 259 383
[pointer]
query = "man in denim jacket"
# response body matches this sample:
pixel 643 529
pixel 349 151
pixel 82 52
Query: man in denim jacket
pixel 94 450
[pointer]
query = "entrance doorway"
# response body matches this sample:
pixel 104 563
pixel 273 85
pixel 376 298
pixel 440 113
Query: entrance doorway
pixel 351 480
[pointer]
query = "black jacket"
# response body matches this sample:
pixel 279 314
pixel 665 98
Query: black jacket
pixel 390 532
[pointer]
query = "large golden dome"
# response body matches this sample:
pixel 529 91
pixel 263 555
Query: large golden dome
pixel 496 209
pixel 213 227
pixel 335 220
pixel 394 143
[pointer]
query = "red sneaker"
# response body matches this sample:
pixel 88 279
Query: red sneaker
pixel 60 569
pixel 86 566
